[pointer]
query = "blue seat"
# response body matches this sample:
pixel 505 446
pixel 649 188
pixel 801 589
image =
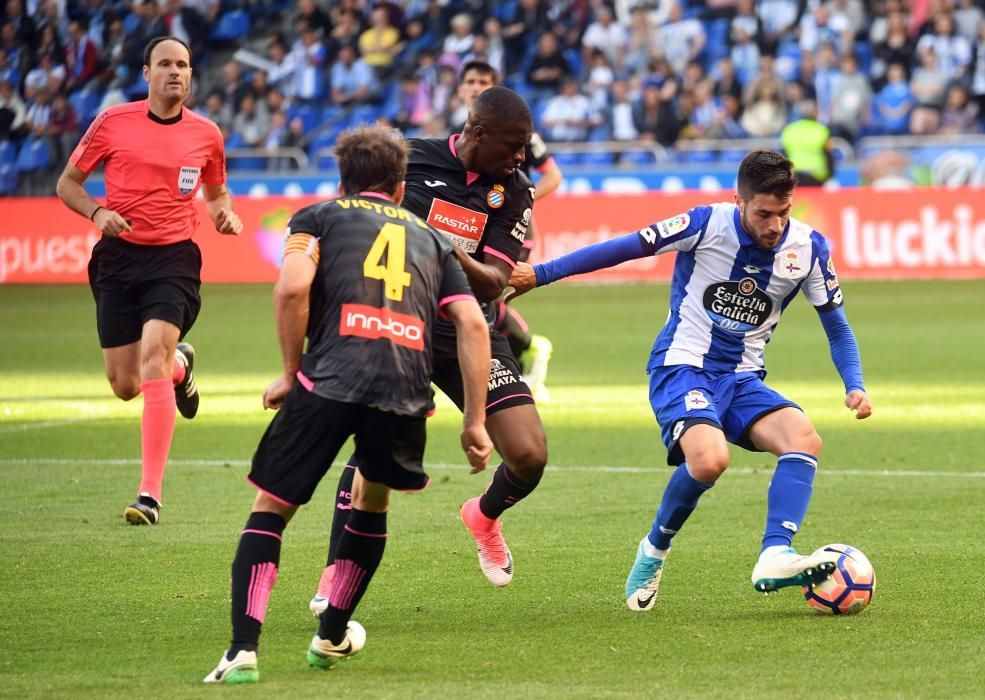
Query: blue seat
pixel 8 178
pixel 366 114
pixel 8 152
pixel 34 155
pixel 731 155
pixel 308 114
pixel 598 158
pixel 504 11
pixel 567 159
pixel 232 26
pixel 639 158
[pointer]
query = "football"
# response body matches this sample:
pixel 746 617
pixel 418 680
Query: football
pixel 851 585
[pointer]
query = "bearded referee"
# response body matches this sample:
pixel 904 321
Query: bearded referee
pixel 145 271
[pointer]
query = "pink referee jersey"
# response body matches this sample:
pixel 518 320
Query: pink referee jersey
pixel 154 168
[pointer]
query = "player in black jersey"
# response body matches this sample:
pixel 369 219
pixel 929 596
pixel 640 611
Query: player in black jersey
pixel 533 351
pixel 365 280
pixel 471 188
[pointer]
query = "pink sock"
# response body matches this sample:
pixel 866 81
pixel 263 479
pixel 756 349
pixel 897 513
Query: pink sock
pixel 156 429
pixel 178 371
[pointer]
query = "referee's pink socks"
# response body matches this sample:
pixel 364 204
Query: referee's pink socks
pixel 156 429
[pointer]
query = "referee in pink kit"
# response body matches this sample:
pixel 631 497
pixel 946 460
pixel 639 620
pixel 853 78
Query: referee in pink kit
pixel 145 272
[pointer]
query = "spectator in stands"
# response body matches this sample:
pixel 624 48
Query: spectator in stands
pixel 548 68
pixel 893 103
pixel 600 77
pixel 706 113
pixel 815 29
pixel 492 31
pixel 81 56
pixel 744 51
pixel 13 113
pixel 779 17
pixel 39 112
pixel 259 86
pixel 657 12
pixel 24 28
pixel 569 115
pixel 726 81
pixel 149 25
pixel 766 76
pixel 654 115
pixel 352 80
pixel 977 70
pixel 252 121
pixel 309 12
pixel 216 110
pixel 640 46
pixel 968 16
pixel 282 64
pixel 960 114
pixel 231 84
pixel 12 47
pixel 953 50
pixel 851 100
pixel 309 66
pixel 345 32
pixel 443 100
pixel 681 40
pixel 619 116
pixel 825 74
pixel 529 19
pixel 607 36
pixel 7 71
pixel 898 46
pixel 50 44
pixel 380 43
pixel 48 76
pixel 694 73
pixel 927 84
pixel 459 42
pixel 186 23
pixel 765 114
pixel 114 52
pixel 848 18
pixel 62 129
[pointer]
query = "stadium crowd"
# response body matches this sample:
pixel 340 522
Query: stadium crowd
pixel 656 71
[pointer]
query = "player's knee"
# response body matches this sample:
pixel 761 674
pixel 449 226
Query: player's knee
pixel 125 387
pixel 528 460
pixel 809 441
pixel 708 463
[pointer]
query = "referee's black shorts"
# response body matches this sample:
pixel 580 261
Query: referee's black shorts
pixel 506 387
pixel 307 433
pixel 133 284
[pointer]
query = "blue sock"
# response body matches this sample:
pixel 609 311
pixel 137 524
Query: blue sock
pixel 788 497
pixel 679 501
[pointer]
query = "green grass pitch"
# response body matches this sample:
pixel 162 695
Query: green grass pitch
pixel 94 608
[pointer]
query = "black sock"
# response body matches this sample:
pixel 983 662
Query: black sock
pixel 359 552
pixel 505 491
pixel 254 576
pixel 343 505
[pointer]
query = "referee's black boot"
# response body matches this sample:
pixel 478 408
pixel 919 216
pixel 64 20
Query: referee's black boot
pixel 185 391
pixel 144 511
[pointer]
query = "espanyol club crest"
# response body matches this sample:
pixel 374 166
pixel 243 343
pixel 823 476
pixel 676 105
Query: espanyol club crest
pixel 188 179
pixel 496 196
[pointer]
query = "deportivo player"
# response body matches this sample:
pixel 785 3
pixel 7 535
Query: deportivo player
pixel 738 266
pixel 365 280
pixel 471 189
pixel 533 351
pixel 145 271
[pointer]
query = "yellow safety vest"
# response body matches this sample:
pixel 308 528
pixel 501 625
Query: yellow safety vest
pixel 804 142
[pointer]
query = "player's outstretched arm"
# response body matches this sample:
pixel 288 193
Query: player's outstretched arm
pixel 291 313
pixel 71 191
pixel 473 358
pixel 220 207
pixel 487 278
pixel 845 354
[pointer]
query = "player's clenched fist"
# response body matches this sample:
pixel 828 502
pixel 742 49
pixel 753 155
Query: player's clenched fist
pixel 227 221
pixel 859 402
pixel 477 447
pixel 110 223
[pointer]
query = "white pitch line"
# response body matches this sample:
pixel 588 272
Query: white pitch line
pixel 21 427
pixel 602 468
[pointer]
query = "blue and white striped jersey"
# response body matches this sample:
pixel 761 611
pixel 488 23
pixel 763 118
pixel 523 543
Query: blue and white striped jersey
pixel 727 293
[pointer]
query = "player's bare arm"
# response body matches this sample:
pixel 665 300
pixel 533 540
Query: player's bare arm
pixel 859 402
pixel 473 354
pixel 488 278
pixel 550 180
pixel 291 311
pixel 522 280
pixel 220 207
pixel 71 191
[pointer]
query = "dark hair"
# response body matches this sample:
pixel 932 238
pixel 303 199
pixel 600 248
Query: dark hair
pixel 372 158
pixel 765 172
pixel 499 105
pixel 480 67
pixel 149 49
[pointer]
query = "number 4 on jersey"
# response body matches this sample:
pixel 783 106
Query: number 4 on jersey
pixel 391 242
